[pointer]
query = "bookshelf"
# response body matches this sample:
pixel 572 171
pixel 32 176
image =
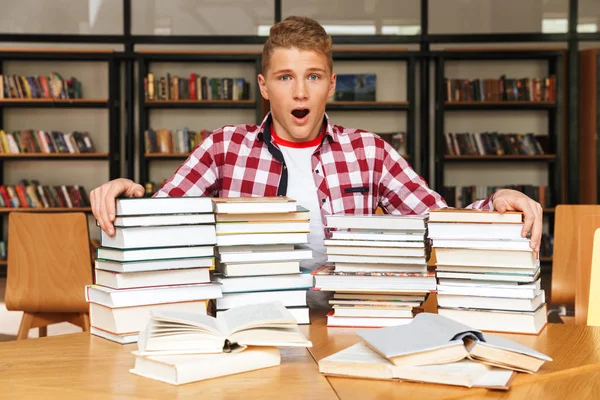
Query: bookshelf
pixel 589 125
pixel 100 104
pixel 216 64
pixel 501 116
pixel 396 94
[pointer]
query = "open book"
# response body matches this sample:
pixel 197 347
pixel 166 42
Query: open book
pixel 360 361
pixel 260 324
pixel 434 339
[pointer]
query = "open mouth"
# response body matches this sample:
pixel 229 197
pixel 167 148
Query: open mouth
pixel 300 113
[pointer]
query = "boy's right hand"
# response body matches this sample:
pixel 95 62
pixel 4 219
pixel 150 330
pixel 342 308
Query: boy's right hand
pixel 103 199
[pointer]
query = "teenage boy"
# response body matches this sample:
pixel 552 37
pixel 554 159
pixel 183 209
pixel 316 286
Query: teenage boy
pixel 298 152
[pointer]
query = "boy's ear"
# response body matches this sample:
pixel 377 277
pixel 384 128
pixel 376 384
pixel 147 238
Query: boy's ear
pixel 262 84
pixel 332 84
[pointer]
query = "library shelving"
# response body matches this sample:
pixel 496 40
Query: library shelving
pixel 35 59
pixel 148 59
pixel 407 106
pixel 551 109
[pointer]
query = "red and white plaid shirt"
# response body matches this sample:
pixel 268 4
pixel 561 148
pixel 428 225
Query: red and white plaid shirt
pixel 355 171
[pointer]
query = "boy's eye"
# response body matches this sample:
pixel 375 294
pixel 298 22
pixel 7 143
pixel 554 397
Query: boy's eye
pixel 313 77
pixel 285 77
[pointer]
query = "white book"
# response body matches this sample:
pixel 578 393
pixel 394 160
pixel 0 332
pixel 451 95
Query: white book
pixel 262 238
pixel 261 283
pixel 300 314
pixel 161 220
pixel 126 338
pixel 155 265
pixel 263 269
pixel 265 255
pixel 186 368
pixel 449 230
pixel 224 228
pixel 156 295
pixel 254 205
pixel 156 253
pixel 491 303
pixel 131 320
pixel 131 280
pixel 375 251
pixel 527 322
pixel 515 244
pixel 377 222
pixel 360 361
pixel 378 236
pixel 336 258
pixel 289 298
pixel 488 277
pixel 490 258
pixel 365 322
pixel 374 243
pixel 164 205
pixel 160 236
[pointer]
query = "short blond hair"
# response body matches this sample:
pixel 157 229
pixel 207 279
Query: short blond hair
pixel 300 32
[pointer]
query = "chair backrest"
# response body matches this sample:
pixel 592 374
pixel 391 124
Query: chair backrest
pixel 593 303
pixel 49 262
pixel 566 254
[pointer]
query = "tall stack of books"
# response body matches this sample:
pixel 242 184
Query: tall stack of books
pixel 488 276
pixel 261 242
pixel 158 260
pixel 377 269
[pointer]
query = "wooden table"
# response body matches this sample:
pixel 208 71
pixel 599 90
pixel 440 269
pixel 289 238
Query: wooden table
pixel 84 366
pixel 81 366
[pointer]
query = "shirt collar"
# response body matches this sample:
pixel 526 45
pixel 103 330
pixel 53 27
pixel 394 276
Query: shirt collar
pixel 264 131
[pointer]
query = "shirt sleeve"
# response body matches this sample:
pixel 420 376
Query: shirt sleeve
pixel 198 175
pixel 403 191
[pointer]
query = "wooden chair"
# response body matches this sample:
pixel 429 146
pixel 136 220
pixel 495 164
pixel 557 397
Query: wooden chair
pixel 49 264
pixel 572 250
pixel 593 302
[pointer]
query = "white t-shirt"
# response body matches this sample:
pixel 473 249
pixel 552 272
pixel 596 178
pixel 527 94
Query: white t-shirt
pixel 301 187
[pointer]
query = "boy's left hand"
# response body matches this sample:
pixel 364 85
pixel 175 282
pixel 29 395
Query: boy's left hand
pixel 512 200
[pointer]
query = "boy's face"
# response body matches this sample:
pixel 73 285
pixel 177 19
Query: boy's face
pixel 298 84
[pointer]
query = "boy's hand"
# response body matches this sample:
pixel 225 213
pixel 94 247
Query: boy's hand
pixel 512 200
pixel 103 198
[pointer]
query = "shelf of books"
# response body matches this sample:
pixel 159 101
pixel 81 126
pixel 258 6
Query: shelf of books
pixel 59 129
pixel 186 95
pixel 375 91
pixel 498 124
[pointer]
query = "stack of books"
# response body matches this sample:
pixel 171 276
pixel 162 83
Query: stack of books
pixel 158 260
pixel 377 267
pixel 261 242
pixel 488 276
pixel 434 349
pixel 180 347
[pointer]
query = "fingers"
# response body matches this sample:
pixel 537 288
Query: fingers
pixel 536 232
pixel 528 217
pixel 103 201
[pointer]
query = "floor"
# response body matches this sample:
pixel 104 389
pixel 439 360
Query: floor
pixel 10 321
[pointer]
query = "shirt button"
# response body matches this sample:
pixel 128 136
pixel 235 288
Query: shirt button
pixel 317 171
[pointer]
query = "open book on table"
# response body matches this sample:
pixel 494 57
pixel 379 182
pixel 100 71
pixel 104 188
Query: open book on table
pixel 360 361
pixel 434 339
pixel 261 324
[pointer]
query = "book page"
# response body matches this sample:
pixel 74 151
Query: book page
pixel 505 344
pixel 360 353
pixel 255 315
pixel 426 332
pixel 173 321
